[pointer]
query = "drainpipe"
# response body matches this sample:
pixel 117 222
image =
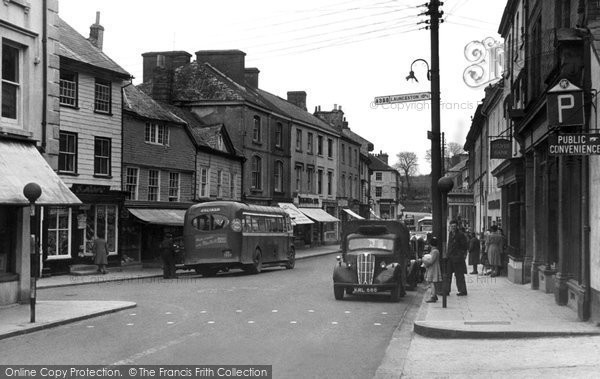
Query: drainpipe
pixel 585 179
pixel 44 74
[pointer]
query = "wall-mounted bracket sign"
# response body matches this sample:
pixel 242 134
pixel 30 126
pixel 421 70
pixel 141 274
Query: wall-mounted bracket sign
pixel 564 104
pixel 501 149
pixel 574 144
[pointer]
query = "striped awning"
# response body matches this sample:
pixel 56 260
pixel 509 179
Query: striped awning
pixel 21 163
pixel 318 215
pixel 171 217
pixel 297 217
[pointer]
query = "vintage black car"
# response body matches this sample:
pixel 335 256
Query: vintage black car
pixel 373 260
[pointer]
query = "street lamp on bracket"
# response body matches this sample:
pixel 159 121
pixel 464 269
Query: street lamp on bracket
pixel 411 74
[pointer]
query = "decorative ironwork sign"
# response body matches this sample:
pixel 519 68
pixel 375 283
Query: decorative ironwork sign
pixel 501 149
pixel 574 144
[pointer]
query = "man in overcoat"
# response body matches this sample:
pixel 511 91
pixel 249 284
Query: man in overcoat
pixel 456 254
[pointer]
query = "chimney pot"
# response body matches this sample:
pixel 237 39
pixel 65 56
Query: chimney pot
pixel 97 33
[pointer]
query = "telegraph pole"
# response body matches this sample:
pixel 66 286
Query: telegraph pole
pixel 436 167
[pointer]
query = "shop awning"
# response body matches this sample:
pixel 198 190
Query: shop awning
pixel 21 163
pixel 318 215
pixel 298 218
pixel 171 217
pixel 358 217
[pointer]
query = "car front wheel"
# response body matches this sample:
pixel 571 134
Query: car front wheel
pixel 338 292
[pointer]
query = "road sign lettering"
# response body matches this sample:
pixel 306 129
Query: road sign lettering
pixel 565 105
pixel 403 98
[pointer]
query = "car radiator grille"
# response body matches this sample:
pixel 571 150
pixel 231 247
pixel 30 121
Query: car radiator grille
pixel 365 264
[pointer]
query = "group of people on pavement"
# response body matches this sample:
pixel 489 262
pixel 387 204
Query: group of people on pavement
pixel 439 267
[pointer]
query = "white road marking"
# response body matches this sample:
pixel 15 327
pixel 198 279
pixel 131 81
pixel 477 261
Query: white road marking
pixel 334 322
pixel 377 324
pixel 347 312
pixel 238 311
pixel 274 311
pixel 250 322
pixel 311 311
pixel 168 313
pixel 133 314
pixel 170 322
pixel 202 311
pixel 130 324
pixel 211 322
pixel 293 322
pixel 90 326
pixel 384 313
pixel 154 350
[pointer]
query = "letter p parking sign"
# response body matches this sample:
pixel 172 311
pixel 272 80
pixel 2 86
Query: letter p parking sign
pixel 565 105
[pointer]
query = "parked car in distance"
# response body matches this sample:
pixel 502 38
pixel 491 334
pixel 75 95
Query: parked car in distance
pixel 373 260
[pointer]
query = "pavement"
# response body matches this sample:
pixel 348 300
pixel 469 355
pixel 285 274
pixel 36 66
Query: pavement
pixel 15 319
pixel 493 308
pixel 498 308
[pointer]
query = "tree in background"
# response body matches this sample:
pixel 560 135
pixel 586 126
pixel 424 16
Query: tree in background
pixel 407 164
pixel 451 150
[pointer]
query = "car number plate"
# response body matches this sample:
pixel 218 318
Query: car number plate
pixel 365 290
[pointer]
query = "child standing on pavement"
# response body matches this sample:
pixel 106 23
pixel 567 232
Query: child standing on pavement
pixel 433 273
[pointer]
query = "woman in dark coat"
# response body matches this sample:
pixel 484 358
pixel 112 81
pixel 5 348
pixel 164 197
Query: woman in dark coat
pixel 474 250
pixel 100 251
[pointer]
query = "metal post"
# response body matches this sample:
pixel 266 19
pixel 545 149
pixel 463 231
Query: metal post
pixel 32 192
pixel 436 172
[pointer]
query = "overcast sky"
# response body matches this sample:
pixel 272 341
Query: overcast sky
pixel 339 52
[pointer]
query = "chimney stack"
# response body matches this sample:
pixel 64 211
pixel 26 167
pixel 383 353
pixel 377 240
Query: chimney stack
pixel 251 77
pixel 298 98
pixel 168 60
pixel 383 157
pixel 97 33
pixel 229 62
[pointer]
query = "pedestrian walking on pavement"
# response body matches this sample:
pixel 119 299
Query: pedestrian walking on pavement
pixel 167 253
pixel 100 252
pixel 474 251
pixel 495 248
pixel 456 253
pixel 433 273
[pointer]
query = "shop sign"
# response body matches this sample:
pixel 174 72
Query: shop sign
pixel 501 149
pixel 90 189
pixel 305 201
pixel 574 144
pixel 494 204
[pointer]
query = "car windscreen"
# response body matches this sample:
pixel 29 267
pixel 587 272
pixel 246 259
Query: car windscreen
pixel 370 243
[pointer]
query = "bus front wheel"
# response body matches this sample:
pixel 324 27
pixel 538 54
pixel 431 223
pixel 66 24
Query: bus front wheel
pixel 256 266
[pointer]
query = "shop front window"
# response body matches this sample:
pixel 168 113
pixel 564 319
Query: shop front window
pixel 59 236
pixel 8 234
pixel 102 221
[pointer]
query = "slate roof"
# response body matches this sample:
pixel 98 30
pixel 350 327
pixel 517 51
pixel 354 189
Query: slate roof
pixel 295 112
pixel 203 82
pixel 203 134
pixel 136 101
pixel 377 164
pixel 74 46
pixel 364 144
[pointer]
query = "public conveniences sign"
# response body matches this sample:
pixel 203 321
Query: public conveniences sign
pixel 405 98
pixel 574 144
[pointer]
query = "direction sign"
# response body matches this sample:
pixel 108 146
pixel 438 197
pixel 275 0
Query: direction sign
pixel 565 105
pixel 404 98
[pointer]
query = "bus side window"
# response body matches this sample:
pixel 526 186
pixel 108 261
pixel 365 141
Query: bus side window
pixel 278 224
pixel 254 224
pixel 247 223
